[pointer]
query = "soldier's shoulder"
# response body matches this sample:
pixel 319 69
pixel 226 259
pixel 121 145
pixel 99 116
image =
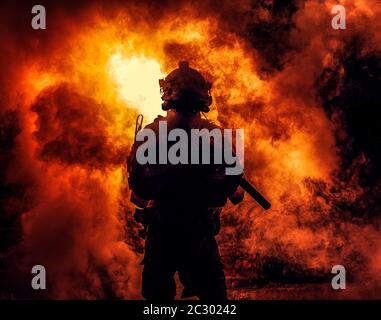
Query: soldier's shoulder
pixel 155 123
pixel 208 124
pixel 159 117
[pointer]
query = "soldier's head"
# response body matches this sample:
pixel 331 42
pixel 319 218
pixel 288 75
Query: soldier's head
pixel 185 90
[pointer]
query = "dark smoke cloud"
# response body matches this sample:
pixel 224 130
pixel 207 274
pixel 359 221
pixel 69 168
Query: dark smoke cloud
pixel 62 134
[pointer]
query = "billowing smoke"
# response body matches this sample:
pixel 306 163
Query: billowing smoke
pixel 307 96
pixel 61 133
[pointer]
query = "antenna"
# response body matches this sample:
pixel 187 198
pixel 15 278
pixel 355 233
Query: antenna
pixel 138 125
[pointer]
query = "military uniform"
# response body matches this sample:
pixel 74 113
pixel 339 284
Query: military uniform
pixel 182 219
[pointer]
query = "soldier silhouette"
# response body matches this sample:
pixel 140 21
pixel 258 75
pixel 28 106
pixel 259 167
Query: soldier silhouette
pixel 180 205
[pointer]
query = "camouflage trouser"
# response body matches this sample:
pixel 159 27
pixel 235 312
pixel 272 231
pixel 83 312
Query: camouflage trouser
pixel 188 247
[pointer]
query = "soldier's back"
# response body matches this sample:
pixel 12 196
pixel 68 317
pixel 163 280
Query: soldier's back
pixel 192 184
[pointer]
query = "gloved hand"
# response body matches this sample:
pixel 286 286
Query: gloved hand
pixel 237 196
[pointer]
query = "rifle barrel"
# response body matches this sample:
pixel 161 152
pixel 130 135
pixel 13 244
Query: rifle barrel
pixel 255 194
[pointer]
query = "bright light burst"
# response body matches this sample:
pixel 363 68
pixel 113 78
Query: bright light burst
pixel 138 82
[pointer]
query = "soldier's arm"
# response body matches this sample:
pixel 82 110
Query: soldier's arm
pixel 231 182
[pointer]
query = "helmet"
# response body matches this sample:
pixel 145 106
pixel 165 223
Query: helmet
pixel 185 89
